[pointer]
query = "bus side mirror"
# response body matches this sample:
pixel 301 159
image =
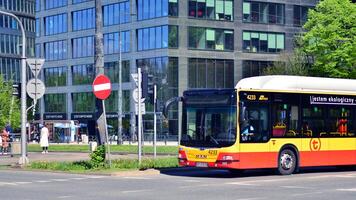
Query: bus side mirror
pixel 169 103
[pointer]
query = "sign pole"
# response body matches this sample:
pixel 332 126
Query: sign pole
pixel 106 134
pixel 139 115
pixel 154 122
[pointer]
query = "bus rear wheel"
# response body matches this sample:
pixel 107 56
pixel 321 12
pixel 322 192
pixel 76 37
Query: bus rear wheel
pixel 287 162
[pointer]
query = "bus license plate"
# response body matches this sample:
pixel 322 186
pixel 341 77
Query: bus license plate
pixel 201 164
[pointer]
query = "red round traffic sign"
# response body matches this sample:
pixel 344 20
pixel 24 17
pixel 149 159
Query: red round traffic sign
pixel 102 87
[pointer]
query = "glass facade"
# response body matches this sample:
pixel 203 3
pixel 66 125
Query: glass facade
pixel 300 15
pixel 268 13
pixel 157 37
pixel 55 24
pixel 10 69
pixel 80 1
pixel 117 13
pixel 211 9
pixel 83 19
pixel 254 42
pixel 38 27
pixel 83 74
pixel 112 71
pixel 210 73
pixel 83 47
pixel 149 9
pixel 49 4
pixel 55 76
pixel 24 6
pixel 111 42
pixel 211 39
pixel 56 103
pixel 111 103
pixel 83 102
pixel 56 50
pixel 254 68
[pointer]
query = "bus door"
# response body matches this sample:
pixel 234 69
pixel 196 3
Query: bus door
pixel 254 135
pixel 341 138
pixel 315 143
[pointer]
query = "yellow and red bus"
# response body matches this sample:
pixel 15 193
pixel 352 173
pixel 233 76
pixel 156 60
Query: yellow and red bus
pixel 282 122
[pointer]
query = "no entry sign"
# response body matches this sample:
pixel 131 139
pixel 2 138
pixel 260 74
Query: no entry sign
pixel 102 87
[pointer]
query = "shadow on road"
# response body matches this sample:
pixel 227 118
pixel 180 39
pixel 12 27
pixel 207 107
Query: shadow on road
pixel 222 173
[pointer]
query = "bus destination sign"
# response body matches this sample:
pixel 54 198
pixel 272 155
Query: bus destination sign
pixel 332 100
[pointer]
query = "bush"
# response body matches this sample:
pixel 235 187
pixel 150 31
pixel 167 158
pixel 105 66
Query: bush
pixel 97 158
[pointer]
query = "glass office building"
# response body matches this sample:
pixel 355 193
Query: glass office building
pixel 11 38
pixel 183 44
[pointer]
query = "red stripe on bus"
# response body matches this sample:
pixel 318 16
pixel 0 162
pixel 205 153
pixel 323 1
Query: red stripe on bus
pixel 324 158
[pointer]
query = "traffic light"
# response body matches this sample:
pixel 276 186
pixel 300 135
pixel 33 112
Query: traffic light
pixel 147 85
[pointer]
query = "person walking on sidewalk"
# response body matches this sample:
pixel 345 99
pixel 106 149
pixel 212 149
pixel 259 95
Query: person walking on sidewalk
pixel 5 141
pixel 44 139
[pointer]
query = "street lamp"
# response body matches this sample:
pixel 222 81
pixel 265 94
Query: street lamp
pixel 23 159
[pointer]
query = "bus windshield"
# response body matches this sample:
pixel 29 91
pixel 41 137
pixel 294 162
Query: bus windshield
pixel 209 124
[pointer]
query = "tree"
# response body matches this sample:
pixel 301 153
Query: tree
pixel 9 106
pixel 330 39
pixel 289 64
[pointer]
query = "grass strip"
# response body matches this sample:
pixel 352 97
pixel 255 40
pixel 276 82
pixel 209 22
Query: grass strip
pixel 114 148
pixel 117 165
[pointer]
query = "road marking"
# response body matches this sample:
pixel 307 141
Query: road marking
pixel 43 181
pixel 303 194
pixel 22 183
pixel 242 183
pixel 7 183
pixel 96 177
pixel 294 187
pixel 192 181
pixel 64 197
pixel 134 191
pixel 347 190
pixel 78 178
pixel 60 180
pixel 252 198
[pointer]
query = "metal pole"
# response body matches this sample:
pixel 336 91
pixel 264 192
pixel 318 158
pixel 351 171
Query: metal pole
pixel 139 115
pixel 154 122
pixel 106 134
pixel 23 159
pixel 119 126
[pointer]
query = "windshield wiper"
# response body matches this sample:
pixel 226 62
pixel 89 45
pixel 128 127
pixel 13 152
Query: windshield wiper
pixel 214 140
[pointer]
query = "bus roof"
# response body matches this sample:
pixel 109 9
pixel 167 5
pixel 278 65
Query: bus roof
pixel 298 84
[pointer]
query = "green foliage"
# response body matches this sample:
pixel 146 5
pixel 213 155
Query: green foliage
pixel 289 64
pixel 7 107
pixel 330 39
pixel 97 158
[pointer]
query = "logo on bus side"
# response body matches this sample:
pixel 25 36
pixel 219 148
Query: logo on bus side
pixel 315 144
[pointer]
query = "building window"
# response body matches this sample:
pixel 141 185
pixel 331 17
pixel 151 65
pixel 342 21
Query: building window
pixel 55 76
pixel 10 69
pixel 300 15
pixel 55 24
pixel 118 13
pixel 80 1
pixel 268 13
pixel 149 9
pixel 38 5
pixel 112 71
pixel 38 50
pixel 210 73
pixel 157 37
pixel 55 103
pixel 55 3
pixel 112 101
pixel 211 9
pixel 83 102
pixel 56 50
pixel 82 74
pixel 210 38
pixel 254 68
pixel 38 27
pixel 254 42
pixel 83 19
pixel 83 47
pixel 111 42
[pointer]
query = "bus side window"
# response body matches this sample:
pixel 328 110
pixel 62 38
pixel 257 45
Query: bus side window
pixel 285 120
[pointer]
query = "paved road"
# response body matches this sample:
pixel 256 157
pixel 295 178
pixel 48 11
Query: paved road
pixel 192 184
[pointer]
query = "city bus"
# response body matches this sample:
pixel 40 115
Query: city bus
pixel 281 122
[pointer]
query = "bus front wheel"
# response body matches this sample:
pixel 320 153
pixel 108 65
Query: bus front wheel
pixel 287 162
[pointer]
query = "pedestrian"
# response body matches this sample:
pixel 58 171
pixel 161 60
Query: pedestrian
pixel 44 139
pixel 5 141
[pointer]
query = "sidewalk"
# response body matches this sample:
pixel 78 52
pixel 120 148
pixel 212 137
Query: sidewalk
pixel 6 160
